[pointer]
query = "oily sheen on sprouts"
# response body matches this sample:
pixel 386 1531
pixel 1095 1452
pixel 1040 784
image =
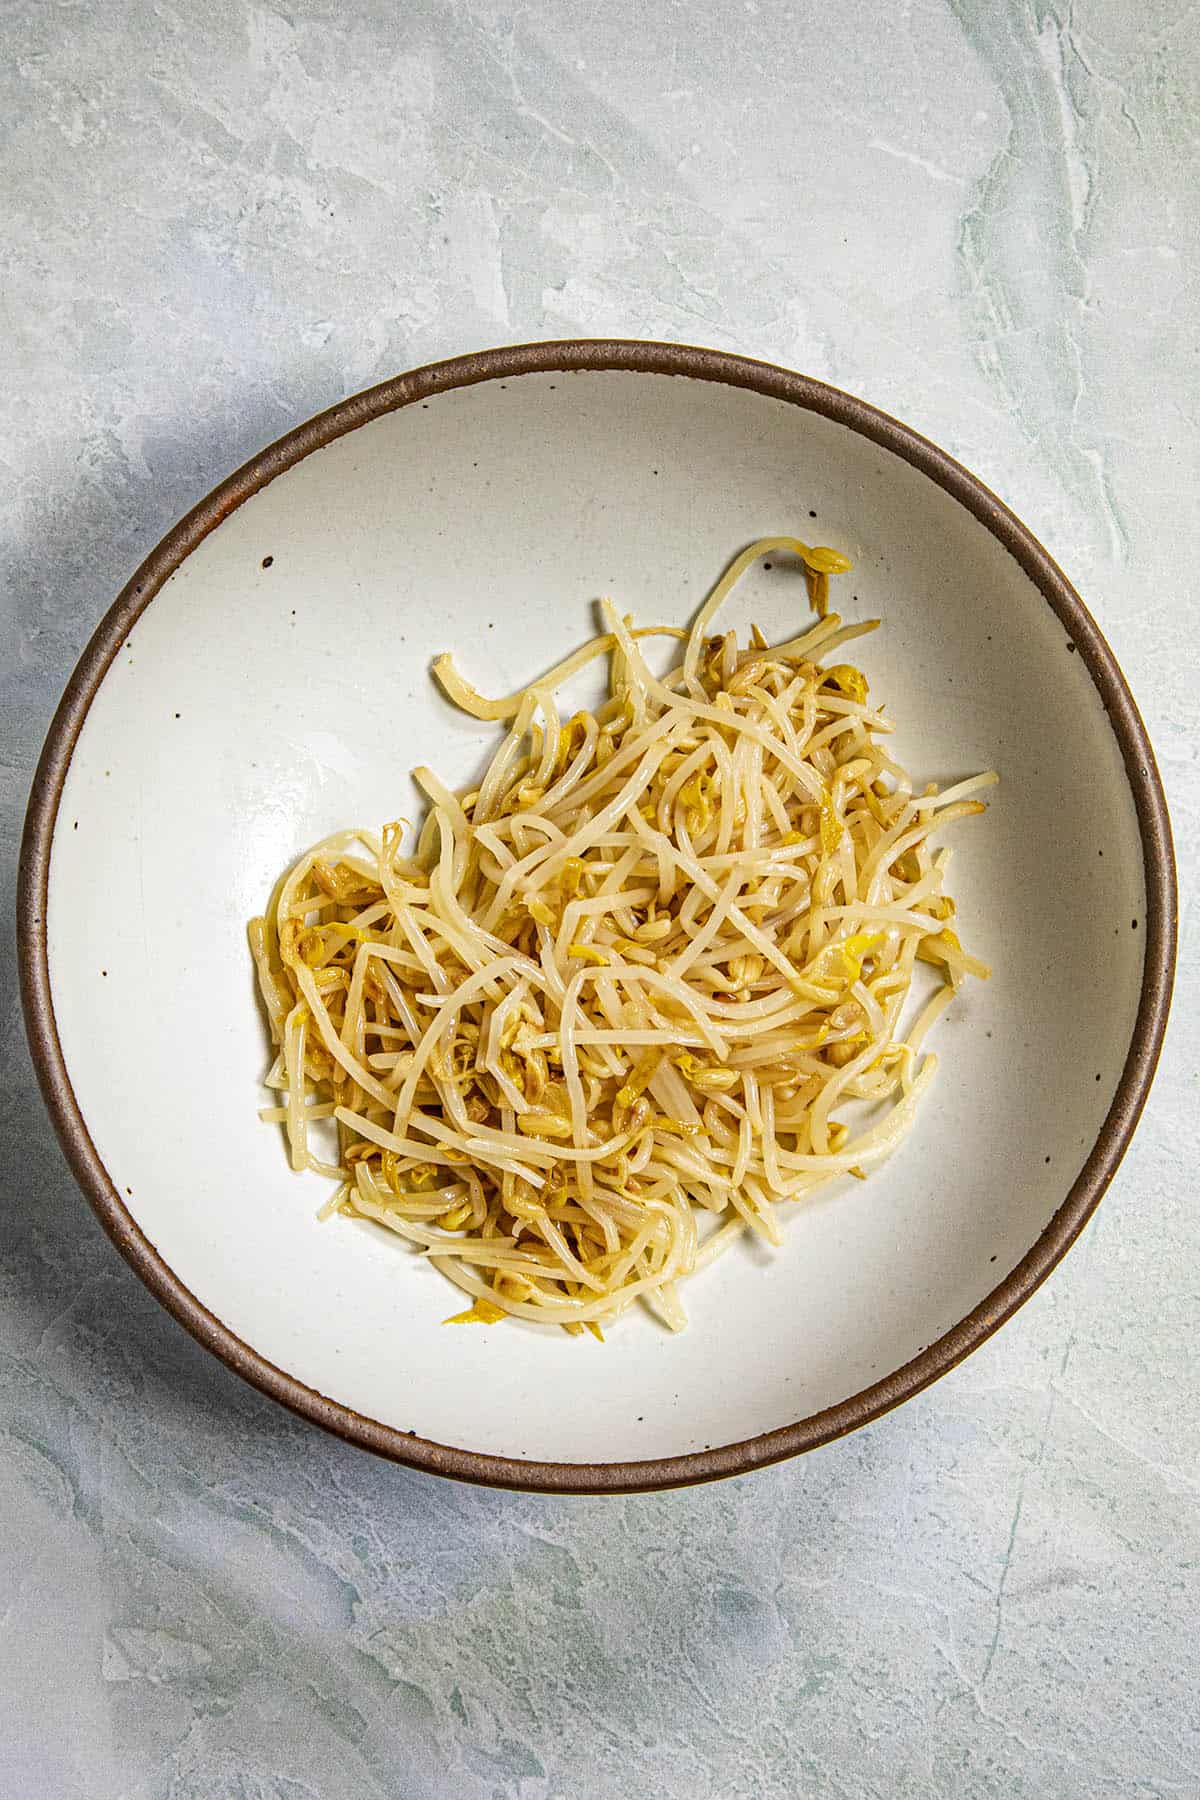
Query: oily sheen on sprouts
pixel 637 992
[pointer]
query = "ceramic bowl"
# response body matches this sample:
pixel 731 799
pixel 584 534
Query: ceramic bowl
pixel 264 679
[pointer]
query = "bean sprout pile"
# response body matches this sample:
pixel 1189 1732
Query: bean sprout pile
pixel 601 1018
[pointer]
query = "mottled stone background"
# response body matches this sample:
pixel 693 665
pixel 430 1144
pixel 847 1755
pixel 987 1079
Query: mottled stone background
pixel 220 218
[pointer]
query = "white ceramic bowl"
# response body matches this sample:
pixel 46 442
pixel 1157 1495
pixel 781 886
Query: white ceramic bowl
pixel 229 711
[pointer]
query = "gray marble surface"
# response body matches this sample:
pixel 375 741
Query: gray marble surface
pixel 981 215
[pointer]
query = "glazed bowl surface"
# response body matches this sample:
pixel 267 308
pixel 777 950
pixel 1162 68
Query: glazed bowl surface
pixel 264 680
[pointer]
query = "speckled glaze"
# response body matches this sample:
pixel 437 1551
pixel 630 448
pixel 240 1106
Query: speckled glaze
pixel 216 725
pixel 982 217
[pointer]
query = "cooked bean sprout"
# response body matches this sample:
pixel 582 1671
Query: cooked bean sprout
pixel 603 1015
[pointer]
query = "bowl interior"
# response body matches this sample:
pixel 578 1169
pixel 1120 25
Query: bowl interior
pixel 277 688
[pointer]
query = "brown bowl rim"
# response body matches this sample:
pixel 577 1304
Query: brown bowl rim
pixel 567 356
